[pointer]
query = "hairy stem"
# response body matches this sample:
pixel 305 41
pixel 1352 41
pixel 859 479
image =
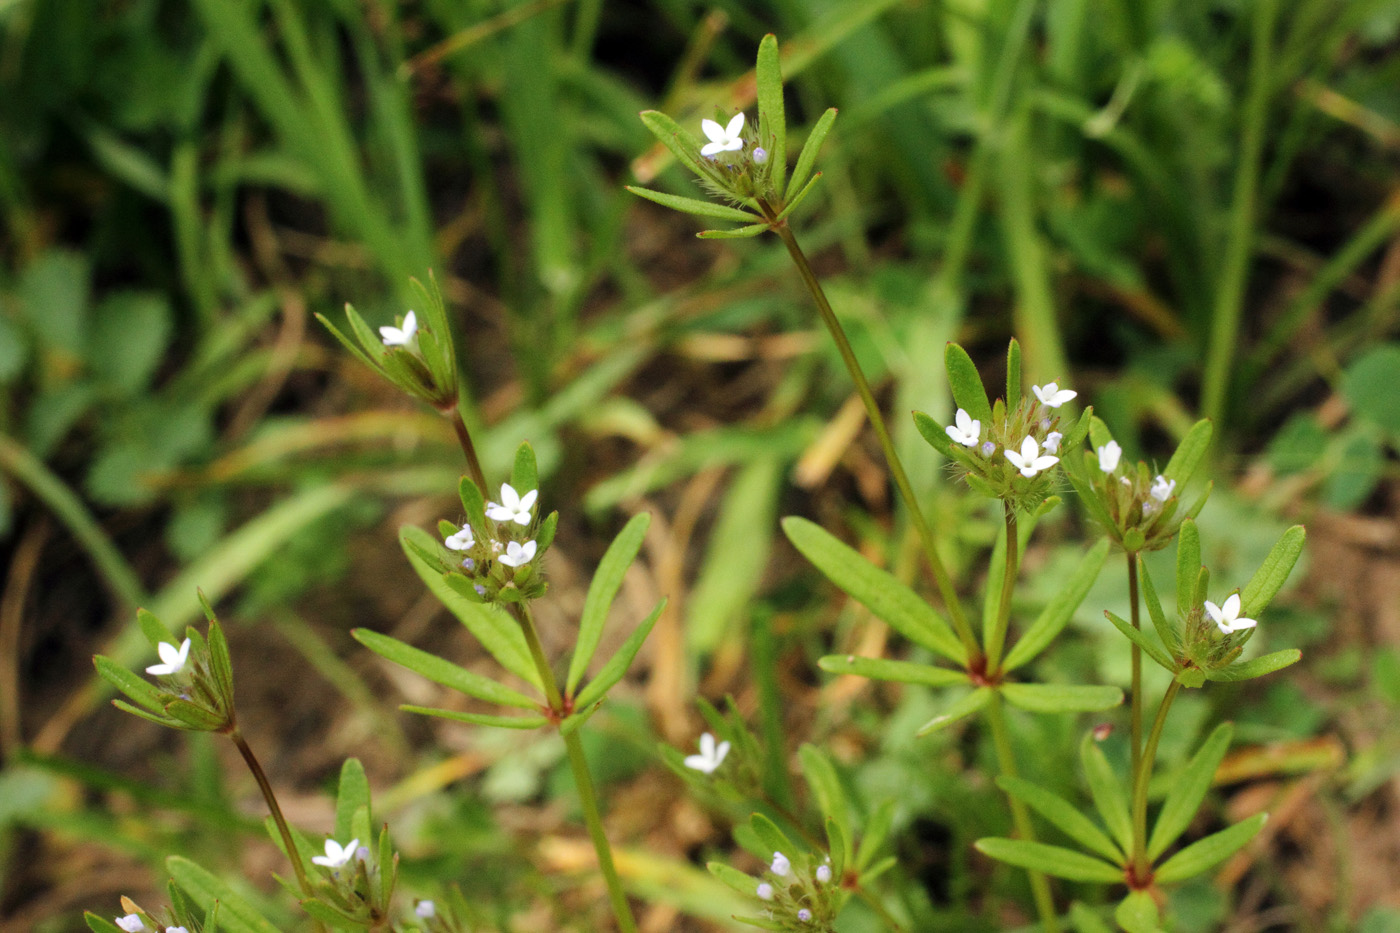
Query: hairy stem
pixel 1136 696
pixel 1141 777
pixel 877 421
pixel 1020 816
pixel 283 829
pixel 996 638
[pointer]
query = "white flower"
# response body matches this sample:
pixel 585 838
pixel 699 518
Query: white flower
pixel 765 892
pixel 518 554
pixel 337 855
pixel 462 540
pixel 1108 456
pixel 1226 617
pixel 513 507
pixel 966 430
pixel 1162 488
pixel 131 923
pixel 1052 442
pixel 723 138
pixel 823 873
pixel 781 866
pixel 174 660
pixel 400 336
pixel 1052 395
pixel 425 910
pixel 711 755
pixel 1029 461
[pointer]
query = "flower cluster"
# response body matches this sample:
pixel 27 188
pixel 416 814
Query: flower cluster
pixel 799 897
pixel 1139 507
pixel 357 882
pixel 1211 637
pixel 498 547
pixel 735 164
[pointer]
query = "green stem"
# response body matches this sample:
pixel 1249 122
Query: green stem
pixel 1020 816
pixel 464 438
pixel 996 638
pixel 1136 697
pixel 877 421
pixel 583 780
pixel 1141 777
pixel 283 829
pixel 1229 299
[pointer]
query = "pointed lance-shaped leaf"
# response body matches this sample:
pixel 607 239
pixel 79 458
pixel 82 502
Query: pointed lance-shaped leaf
pixel 1188 790
pixel 935 433
pixel 1189 453
pixel 607 579
pixel 618 664
pixel 738 233
pixel 671 135
pixel 1188 568
pixel 1106 791
pixel 807 158
pixel 960 708
pixel 478 719
pixel 1255 667
pixel 772 118
pixel 1063 815
pixel 904 672
pixel 1270 576
pixel 1139 638
pixel 1060 609
pixel 1210 851
pixel 1154 607
pixel 966 384
pixel 1062 698
pixel 352 794
pixel 1050 860
pixel 441 671
pixel 695 206
pixel 798 198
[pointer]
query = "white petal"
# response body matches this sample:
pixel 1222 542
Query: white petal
pixel 710 149
pixel 713 131
pixel 509 497
pixel 736 126
pixel 1231 609
pixel 707 745
pixel 527 501
pixel 1214 612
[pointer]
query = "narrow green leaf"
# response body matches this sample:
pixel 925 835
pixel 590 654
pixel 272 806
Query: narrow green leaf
pixel 1060 609
pixel 935 433
pixel 1154 606
pixel 770 837
pixel 1050 860
pixel 1099 435
pixel 1269 579
pixel 100 925
pixel 159 719
pixel 617 665
pixel 524 474
pixel 1188 567
pixel 1013 372
pixel 738 233
pixel 197 717
pixel 772 119
pixel 441 671
pixel 1063 815
pixel 1137 913
pixel 235 914
pixel 696 206
pixel 1062 698
pixel 1074 437
pixel 1075 463
pixel 807 158
pixel 889 599
pixel 478 719
pixel 742 884
pixel 141 691
pixel 1085 920
pixel 473 502
pixel 670 134
pixel 877 830
pixel 1189 453
pixel 1256 667
pixel 966 384
pixel 351 794
pixel 964 706
pixel 1107 792
pixel 607 579
pixel 838 845
pixel 1188 790
pixel 155 630
pixel 798 198
pixel 1138 638
pixel 575 721
pixel 1212 850
pixel 825 785
pixel 220 663
pixel 904 672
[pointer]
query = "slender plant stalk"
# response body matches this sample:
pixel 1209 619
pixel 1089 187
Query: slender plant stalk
pixel 996 638
pixel 1136 697
pixel 464 438
pixel 877 421
pixel 1141 777
pixel 1020 816
pixel 583 780
pixel 265 786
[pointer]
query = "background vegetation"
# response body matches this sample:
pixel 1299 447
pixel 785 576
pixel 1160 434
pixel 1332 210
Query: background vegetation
pixel 1179 209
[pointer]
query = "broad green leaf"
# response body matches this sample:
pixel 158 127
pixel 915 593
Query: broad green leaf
pixel 904 672
pixel 966 384
pixel 1050 860
pixel 1137 637
pixel 524 474
pixel 1062 698
pixel 607 579
pixel 441 671
pixel 352 794
pixel 235 914
pixel 890 600
pixel 477 719
pixel 772 120
pixel 1269 579
pixel 1256 667
pixel 807 158
pixel 671 135
pixel 1137 913
pixel 1107 792
pixel 1188 790
pixel 738 233
pixel 1188 567
pixel 618 664
pixel 1213 849
pixel 1189 453
pixel 1060 609
pixel 695 206
pixel 1013 372
pixel 964 706
pixel 935 433
pixel 1063 815
pixel 498 633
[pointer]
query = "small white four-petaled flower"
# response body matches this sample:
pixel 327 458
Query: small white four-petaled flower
pixel 1029 461
pixel 174 658
pixel 462 540
pixel 1108 456
pixel 336 854
pixel 131 923
pixel 966 430
pixel 518 554
pixel 1052 395
pixel 400 336
pixel 513 507
pixel 781 866
pixel 1227 617
pixel 1052 442
pixel 723 138
pixel 1162 488
pixel 711 755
